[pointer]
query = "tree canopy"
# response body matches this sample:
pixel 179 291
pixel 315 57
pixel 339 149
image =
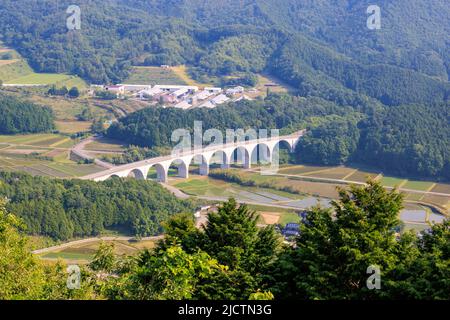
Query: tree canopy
pixel 63 209
pixel 19 116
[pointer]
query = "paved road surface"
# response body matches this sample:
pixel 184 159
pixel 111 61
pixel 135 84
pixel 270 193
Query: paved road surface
pixel 78 149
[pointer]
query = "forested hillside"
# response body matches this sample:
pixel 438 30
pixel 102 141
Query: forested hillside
pixel 153 127
pixel 63 209
pixel 18 116
pixel 322 48
pixel 341 70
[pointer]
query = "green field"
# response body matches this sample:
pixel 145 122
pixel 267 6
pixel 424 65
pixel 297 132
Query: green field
pixel 418 185
pixel 153 75
pixel 301 170
pixel 14 70
pixel 391 182
pixel 289 217
pixel 83 253
pixel 19 72
pixel 47 79
pixel 73 126
pixel 106 144
pixel 25 152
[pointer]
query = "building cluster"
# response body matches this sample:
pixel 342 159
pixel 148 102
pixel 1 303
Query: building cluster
pixel 178 96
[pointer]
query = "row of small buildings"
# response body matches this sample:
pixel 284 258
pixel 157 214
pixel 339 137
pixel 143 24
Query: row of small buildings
pixel 178 96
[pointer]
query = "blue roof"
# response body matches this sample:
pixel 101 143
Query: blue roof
pixel 290 233
pixel 292 226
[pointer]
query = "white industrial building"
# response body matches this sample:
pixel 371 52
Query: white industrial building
pixel 235 90
pixel 183 105
pixel 202 95
pixel 149 93
pixel 172 88
pixel 135 87
pixel 207 104
pixel 213 90
pixel 180 93
pixel 221 98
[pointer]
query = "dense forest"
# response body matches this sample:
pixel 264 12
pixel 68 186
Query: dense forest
pixel 19 116
pixel 63 209
pixel 336 257
pixel 321 48
pixel 153 127
pixel 404 140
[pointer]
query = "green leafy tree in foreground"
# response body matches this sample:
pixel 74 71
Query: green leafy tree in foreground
pixel 334 251
pixel 167 274
pixel 104 259
pixel 232 237
pixel 23 276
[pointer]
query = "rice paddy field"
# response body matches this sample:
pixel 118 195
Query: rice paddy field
pixel 48 79
pixel 67 110
pixel 83 253
pixel 41 155
pixel 269 214
pixel 106 145
pixel 68 126
pixel 301 183
pixel 154 75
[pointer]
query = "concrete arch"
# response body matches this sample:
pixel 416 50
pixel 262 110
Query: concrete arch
pixel 261 153
pixel 241 154
pixel 161 172
pixel 277 148
pixel 183 167
pixel 202 162
pixel 291 144
pixel 137 174
pixel 222 158
pixel 113 176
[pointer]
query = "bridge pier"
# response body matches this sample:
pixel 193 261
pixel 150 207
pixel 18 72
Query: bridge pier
pixel 183 171
pixel 247 163
pixel 204 169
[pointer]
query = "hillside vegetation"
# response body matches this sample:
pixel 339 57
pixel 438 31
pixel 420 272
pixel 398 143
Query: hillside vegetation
pixel 322 48
pixel 19 116
pixel 63 209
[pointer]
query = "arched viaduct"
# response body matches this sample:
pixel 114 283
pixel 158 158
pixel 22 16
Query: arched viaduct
pixel 223 154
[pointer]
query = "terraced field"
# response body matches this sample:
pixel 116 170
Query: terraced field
pixel 392 182
pixel 107 145
pixel 9 71
pixel 320 188
pixel 41 154
pixel 153 75
pixel 83 253
pixel 73 126
pixel 182 73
